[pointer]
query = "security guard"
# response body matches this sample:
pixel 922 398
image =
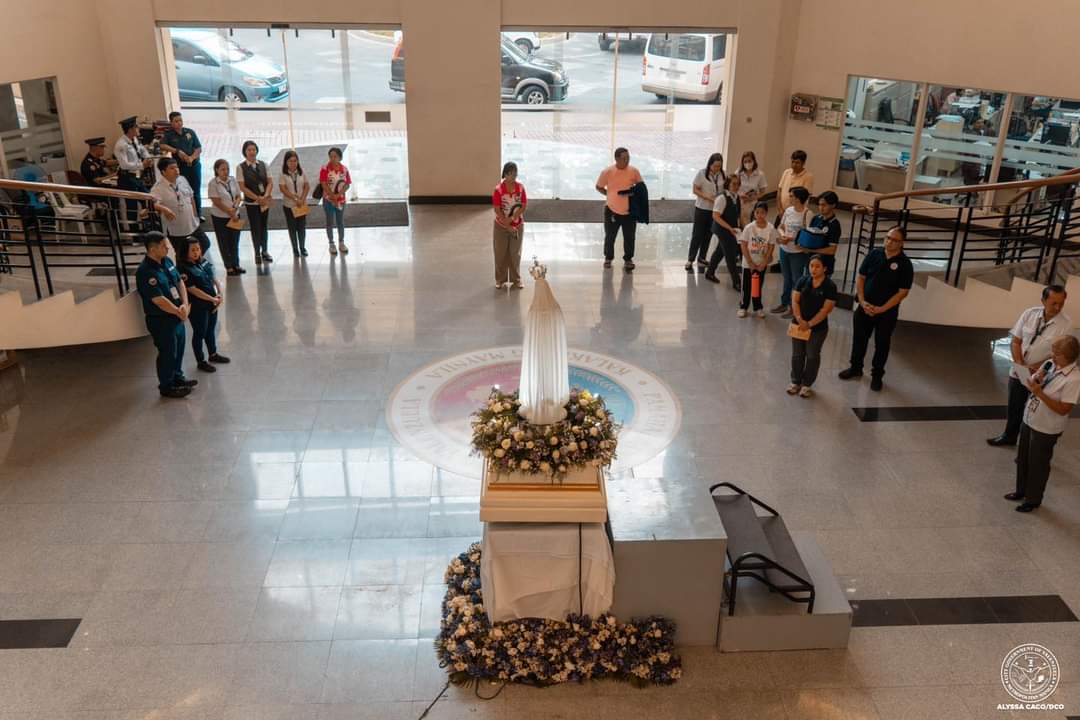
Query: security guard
pixel 165 302
pixel 94 169
pixel 184 144
pixel 132 158
pixel 197 272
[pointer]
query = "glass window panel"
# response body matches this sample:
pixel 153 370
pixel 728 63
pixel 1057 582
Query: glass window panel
pixel 878 134
pixel 959 137
pixel 1042 138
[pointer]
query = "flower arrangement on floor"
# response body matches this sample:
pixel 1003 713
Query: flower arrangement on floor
pixel 537 651
pixel 587 437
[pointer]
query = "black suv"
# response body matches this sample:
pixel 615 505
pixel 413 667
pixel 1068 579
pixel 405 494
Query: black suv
pixel 527 79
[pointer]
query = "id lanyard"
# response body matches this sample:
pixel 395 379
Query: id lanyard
pixel 1033 404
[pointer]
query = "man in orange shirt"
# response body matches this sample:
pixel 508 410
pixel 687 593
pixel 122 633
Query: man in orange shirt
pixel 615 184
pixel 795 176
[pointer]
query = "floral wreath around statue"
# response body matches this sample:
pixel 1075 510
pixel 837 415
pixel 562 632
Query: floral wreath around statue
pixel 586 437
pixel 537 651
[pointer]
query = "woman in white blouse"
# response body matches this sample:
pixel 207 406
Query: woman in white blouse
pixel 294 192
pixel 751 184
pixel 225 198
pixel 708 183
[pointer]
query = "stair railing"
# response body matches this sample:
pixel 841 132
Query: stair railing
pixel 1039 224
pixel 41 232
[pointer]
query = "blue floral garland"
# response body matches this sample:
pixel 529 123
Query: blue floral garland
pixel 537 651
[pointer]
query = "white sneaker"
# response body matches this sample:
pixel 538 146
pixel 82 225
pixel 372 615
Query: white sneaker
pixel 792 389
pixel 333 250
pixel 806 392
pixel 498 286
pixel 760 314
pixel 742 312
pixel 344 250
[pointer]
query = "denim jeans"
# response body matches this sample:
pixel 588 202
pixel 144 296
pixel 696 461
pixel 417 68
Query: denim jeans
pixel 792 267
pixel 335 216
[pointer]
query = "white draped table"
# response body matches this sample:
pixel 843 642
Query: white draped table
pixel 532 570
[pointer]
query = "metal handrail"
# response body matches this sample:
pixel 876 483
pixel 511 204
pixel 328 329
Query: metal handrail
pixel 740 491
pixel 6 184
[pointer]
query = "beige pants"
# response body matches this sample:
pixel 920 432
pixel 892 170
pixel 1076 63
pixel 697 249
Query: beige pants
pixel 507 245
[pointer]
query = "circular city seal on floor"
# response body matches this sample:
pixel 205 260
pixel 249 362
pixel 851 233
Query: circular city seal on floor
pixel 429 411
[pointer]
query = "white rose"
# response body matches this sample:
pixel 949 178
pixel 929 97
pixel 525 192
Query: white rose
pixel 594 431
pixel 573 446
pixel 545 467
pixel 554 440
pixel 555 455
pixel 525 464
pixel 519 436
pixel 505 444
pixel 499 452
pixel 530 445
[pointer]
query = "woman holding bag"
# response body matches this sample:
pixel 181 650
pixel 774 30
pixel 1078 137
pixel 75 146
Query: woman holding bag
pixel 255 182
pixel 225 198
pixel 294 191
pixel 812 300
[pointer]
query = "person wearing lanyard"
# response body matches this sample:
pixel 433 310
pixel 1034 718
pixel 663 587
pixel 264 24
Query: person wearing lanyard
pixel 294 192
pixel 175 200
pixel 1055 389
pixel 255 182
pixel 132 158
pixel 165 304
pixel 225 198
pixel 708 183
pixel 184 144
pixel 1029 346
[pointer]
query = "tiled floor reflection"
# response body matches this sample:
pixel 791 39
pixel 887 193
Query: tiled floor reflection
pixel 266 548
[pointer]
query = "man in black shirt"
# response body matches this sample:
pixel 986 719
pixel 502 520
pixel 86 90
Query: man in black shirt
pixel 885 278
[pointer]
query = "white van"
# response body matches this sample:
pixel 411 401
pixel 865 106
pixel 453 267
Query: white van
pixel 687 66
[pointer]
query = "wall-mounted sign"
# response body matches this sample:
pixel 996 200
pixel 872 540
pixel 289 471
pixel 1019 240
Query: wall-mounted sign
pixel 830 113
pixel 803 107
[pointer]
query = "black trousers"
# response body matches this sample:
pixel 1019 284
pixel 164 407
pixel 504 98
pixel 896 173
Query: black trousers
pixel 727 249
pixel 203 319
pixel 806 356
pixel 700 236
pixel 259 233
pixel 1018 397
pixel 193 174
pixel 228 242
pixel 881 327
pixel 747 286
pixel 612 223
pixel 297 229
pixel 130 181
pixel 1033 463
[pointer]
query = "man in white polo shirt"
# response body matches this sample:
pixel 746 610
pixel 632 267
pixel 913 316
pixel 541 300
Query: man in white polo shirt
pixel 175 201
pixel 1054 392
pixel 1031 338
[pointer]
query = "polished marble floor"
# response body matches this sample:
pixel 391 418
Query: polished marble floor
pixel 223 568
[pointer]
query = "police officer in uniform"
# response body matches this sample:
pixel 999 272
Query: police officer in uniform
pixel 165 302
pixel 133 158
pixel 94 169
pixel 184 144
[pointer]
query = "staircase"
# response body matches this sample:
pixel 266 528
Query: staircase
pixel 47 297
pixel 982 263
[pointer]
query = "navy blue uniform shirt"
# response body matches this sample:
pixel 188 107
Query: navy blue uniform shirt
pixel 154 279
pixel 186 141
pixel 199 275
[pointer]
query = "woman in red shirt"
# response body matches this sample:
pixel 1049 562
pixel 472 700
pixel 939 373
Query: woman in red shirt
pixel 510 201
pixel 335 180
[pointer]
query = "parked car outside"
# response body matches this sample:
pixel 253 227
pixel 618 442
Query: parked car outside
pixel 626 40
pixel 529 42
pixel 687 66
pixel 526 79
pixel 212 68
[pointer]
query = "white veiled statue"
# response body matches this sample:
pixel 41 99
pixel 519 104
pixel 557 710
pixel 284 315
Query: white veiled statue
pixel 545 367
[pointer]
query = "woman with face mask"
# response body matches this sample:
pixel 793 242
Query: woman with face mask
pixel 751 184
